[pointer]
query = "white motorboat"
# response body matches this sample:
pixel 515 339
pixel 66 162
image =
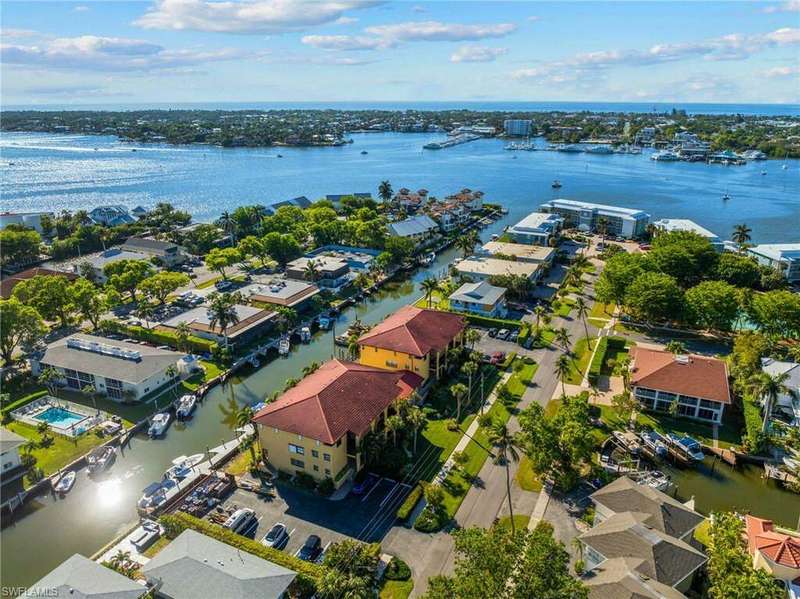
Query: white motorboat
pixel 64 484
pixel 305 334
pixel 657 480
pixel 100 458
pixel 158 425
pixel 687 446
pixel 655 442
pixel 284 346
pixel 664 156
pixel 155 494
pixel 185 406
pixel 324 323
pixel 183 465
pixel 628 440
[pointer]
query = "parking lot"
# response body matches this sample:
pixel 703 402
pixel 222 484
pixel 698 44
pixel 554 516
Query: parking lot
pixel 367 517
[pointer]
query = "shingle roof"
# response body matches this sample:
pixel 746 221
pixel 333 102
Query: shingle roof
pixel 779 547
pixel 10 440
pixel 81 578
pixel 336 398
pixel 416 225
pixel 194 565
pixel 697 376
pixel 663 512
pixel 619 578
pixel 665 558
pixel 149 244
pixel 415 331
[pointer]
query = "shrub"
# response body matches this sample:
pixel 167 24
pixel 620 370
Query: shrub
pixel 410 502
pixel 158 337
pixel 431 519
pixel 21 402
pixel 508 360
pixel 753 439
pixel 596 365
pixel 524 333
pixel 492 323
pixel 305 480
pixel 397 569
pixel 326 487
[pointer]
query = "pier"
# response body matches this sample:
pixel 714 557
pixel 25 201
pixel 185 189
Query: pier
pixel 453 141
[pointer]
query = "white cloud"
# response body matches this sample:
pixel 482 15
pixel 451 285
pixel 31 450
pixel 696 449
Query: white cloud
pixel 477 54
pixel 71 91
pixel 248 16
pixel 89 52
pixel 785 71
pixel 435 31
pixel 345 42
pixel 534 18
pixel 80 8
pixel 790 6
pixel 345 21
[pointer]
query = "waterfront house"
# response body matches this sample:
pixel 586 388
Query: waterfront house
pixel 787 403
pixel 418 228
pixel 481 268
pixel 97 262
pixel 195 565
pixel 81 578
pixel 253 322
pixel 472 200
pixel 111 216
pixel 330 272
pixel 682 224
pixel 519 252
pixel 357 258
pixel 301 202
pixel 480 298
pixel 32 220
pixel 7 284
pixel 167 253
pixel 775 550
pixel 117 369
pixel 413 339
pixel 12 471
pixel 316 426
pixel 699 384
pixel 784 257
pixel 585 216
pixel 538 228
pixel 289 293
pixel 620 578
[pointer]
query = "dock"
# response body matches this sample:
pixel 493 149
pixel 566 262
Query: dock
pixel 773 472
pixel 453 141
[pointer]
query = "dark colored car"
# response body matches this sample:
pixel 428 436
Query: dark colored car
pixel 359 488
pixel 492 332
pixel 310 549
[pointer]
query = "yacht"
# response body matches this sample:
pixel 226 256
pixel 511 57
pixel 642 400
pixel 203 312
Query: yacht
pixel 655 442
pixel 100 459
pixel 570 148
pixel 664 156
pixel 305 334
pixel 284 346
pixel 599 150
pixel 556 184
pixel 185 406
pixel 64 484
pixel 628 440
pixel 655 479
pixel 687 446
pixel 183 465
pixel 155 494
pixel 158 425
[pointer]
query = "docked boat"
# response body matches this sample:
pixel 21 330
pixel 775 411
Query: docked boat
pixel 570 148
pixel 284 346
pixel 324 323
pixel 342 340
pixel 556 184
pixel 688 447
pixel 655 443
pixel 628 440
pixel 100 459
pixel 305 334
pixel 155 494
pixel 64 484
pixel 183 465
pixel 185 406
pixel 599 150
pixel 655 479
pixel 665 156
pixel 428 259
pixel 158 425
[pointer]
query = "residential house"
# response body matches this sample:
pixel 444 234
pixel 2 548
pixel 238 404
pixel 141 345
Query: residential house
pixel 300 202
pixel 167 253
pixel 7 285
pixel 357 258
pixel 139 212
pixel 538 228
pixel 194 565
pixel 450 215
pixel 289 293
pixel 784 257
pixel 585 216
pixel 699 384
pixel 97 262
pixel 480 298
pixel 481 268
pixel 776 551
pixel 410 201
pixel 11 469
pixel 413 339
pixel 316 426
pixel 32 220
pixel 683 224
pixel 81 578
pixel 788 404
pixel 641 539
pixel 329 272
pixel 253 322
pixel 117 369
pixel 472 200
pixel 418 228
pixel 111 216
pixel 520 252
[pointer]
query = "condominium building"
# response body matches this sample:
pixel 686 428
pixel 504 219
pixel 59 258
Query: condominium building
pixel 518 127
pixel 482 268
pixel 784 257
pixel 538 228
pixel 325 271
pixel 682 224
pixel 623 222
pixel 519 252
pixel 32 220
pixel 167 253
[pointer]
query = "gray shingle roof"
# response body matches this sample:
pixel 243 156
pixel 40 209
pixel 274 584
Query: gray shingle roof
pixel 664 513
pixel 149 244
pixel 618 578
pixel 416 225
pixel 195 565
pixel 81 578
pixel 10 440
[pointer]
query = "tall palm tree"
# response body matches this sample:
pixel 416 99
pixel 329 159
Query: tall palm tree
pixel 385 191
pixel 222 308
pixel 562 368
pixel 466 243
pixel 228 225
pixel 430 286
pixel 469 368
pixel 583 311
pixel 458 391
pixel 415 419
pixel 49 377
pixel 741 235
pixel 539 312
pixel 311 271
pixel 393 424
pixel 562 337
pixel 472 336
pixel 770 387
pixel 182 334
pixel 91 391
pixel 602 227
pixel 508 451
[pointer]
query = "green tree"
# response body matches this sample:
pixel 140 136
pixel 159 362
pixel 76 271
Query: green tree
pixel 508 446
pixel 654 297
pixel 49 295
pixel 466 243
pixel 713 305
pixel 400 248
pixel 458 391
pixel 350 570
pixel 287 317
pixel 624 404
pixel 676 346
pixel 562 337
pixel 127 275
pixel 218 259
pixel 255 247
pixel 582 308
pixel 683 255
pixel 618 275
pixel 770 387
pixel 777 313
pixel 416 419
pixel 429 285
pixel 469 368
pixel 222 308
pixel 393 424
pixel 160 285
pixel 738 270
pixel 90 302
pixel 21 326
pixel 562 369
pixel 385 191
pixel 144 310
pixel 182 334
pixel 741 235
pixel 19 246
pixel 282 247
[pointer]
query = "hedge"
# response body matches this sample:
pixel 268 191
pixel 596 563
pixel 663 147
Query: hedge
pixel 524 333
pixel 175 524
pixel 496 323
pixel 507 361
pixel 23 401
pixel 411 500
pixel 753 437
pixel 196 344
pixel 605 343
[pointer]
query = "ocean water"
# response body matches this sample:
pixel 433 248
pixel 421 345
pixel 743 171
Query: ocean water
pixel 69 172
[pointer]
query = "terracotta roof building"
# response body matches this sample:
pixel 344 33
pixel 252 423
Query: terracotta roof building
pixel 699 384
pixel 316 426
pixel 7 285
pixel 413 339
pixel 776 552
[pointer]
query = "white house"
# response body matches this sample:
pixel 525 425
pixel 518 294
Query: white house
pixel 538 228
pixel 684 224
pixel 585 216
pixel 788 404
pixel 782 256
pixel 479 298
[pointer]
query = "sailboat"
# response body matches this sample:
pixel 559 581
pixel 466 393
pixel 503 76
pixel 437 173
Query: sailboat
pixel 785 166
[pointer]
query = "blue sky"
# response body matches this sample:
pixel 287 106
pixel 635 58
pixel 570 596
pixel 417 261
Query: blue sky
pixel 346 50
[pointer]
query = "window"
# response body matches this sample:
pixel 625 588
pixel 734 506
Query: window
pixel 314 453
pixel 326 457
pixel 296 449
pixel 706 414
pixel 327 472
pixel 316 468
pixel 391 363
pixel 114 388
pixel 298 463
pixel 712 405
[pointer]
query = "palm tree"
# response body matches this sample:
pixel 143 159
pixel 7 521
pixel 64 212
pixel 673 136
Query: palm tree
pixel 602 227
pixel 415 419
pixel 466 243
pixel 469 368
pixel 222 308
pixel 581 262
pixel 385 191
pixel 507 450
pixel 770 387
pixel 472 336
pixel 145 310
pixel 49 377
pixel 182 334
pixel 458 391
pixel 741 235
pixel 171 372
pixel 430 286
pixel 562 337
pixel 562 369
pixel 583 311
pixel 91 391
pixel 228 225
pixel 393 424
pixel 311 271
pixel 29 446
pixel 539 312
pixel 286 318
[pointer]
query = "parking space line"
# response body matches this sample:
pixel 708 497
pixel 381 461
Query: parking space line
pixel 375 486
pixel 291 533
pixel 389 494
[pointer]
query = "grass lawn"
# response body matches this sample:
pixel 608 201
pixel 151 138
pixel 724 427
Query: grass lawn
pixel 519 381
pixel 61 452
pixel 701 532
pixel 238 465
pixel 600 310
pixel 563 307
pixel 520 522
pixel 151 551
pixel 396 589
pixel 611 359
pixel 526 478
pixel 582 353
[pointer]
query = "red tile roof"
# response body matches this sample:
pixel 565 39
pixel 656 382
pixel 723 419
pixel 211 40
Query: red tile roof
pixel 778 547
pixel 415 331
pixel 8 284
pixel 336 398
pixel 697 376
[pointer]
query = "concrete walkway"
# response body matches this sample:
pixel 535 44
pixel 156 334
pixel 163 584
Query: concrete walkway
pixel 541 506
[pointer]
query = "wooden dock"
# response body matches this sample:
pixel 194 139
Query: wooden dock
pixel 773 472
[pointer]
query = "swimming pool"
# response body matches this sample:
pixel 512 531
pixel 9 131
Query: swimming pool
pixel 60 418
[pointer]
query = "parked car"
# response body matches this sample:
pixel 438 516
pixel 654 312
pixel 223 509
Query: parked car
pixel 223 285
pixel 502 334
pixel 492 332
pixel 359 488
pixel 513 336
pixel 498 357
pixel 311 549
pixel 277 537
pixel 241 521
pixel 486 358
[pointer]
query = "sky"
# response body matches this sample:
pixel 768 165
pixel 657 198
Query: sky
pixel 161 51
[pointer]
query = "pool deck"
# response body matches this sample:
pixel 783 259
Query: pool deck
pixel 32 412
